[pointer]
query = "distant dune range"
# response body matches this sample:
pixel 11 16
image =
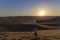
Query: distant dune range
pixel 16 23
pixel 23 19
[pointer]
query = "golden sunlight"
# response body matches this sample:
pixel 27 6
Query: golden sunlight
pixel 42 13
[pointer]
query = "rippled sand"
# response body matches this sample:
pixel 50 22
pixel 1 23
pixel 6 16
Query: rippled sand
pixel 42 35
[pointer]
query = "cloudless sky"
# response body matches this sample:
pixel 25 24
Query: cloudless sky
pixel 29 7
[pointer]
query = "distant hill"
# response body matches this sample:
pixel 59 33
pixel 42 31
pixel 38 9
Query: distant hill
pixel 22 19
pixel 15 23
pixel 57 19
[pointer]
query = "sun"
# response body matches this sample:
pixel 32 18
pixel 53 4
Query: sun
pixel 42 13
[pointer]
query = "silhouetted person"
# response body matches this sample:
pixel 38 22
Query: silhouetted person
pixel 35 33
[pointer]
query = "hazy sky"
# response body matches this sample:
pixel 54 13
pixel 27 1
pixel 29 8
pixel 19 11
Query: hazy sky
pixel 29 7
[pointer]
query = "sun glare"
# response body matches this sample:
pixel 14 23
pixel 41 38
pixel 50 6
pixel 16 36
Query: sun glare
pixel 41 13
